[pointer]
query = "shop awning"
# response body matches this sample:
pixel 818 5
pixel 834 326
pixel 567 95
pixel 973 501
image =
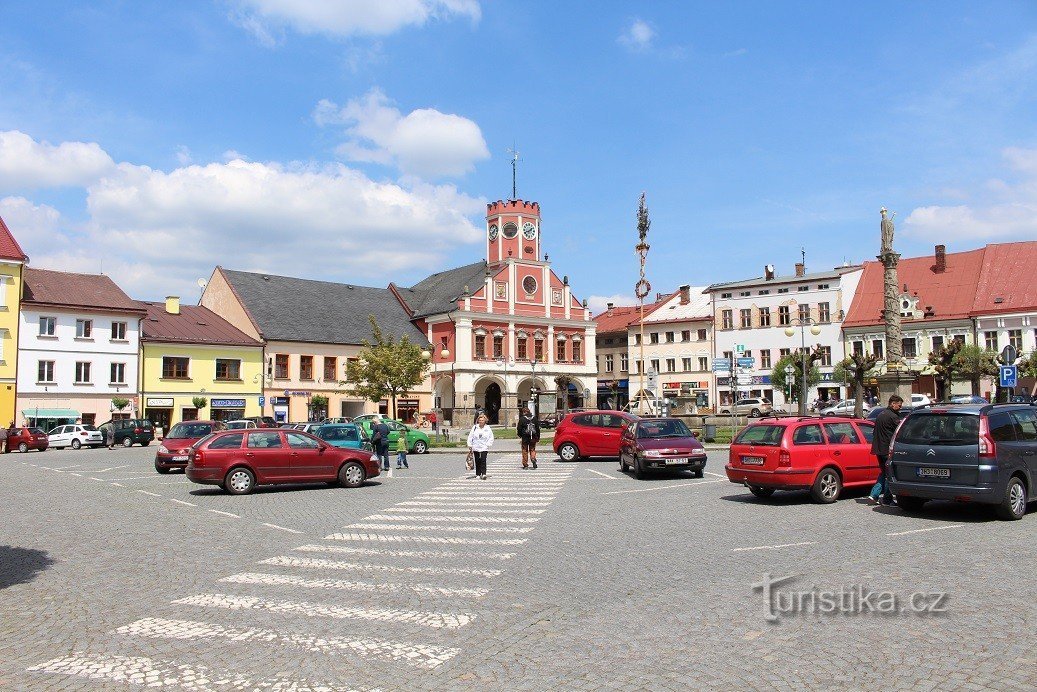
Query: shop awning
pixel 50 413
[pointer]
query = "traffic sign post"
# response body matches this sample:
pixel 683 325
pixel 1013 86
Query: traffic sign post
pixel 1009 376
pixel 262 400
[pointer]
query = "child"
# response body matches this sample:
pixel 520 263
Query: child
pixel 401 452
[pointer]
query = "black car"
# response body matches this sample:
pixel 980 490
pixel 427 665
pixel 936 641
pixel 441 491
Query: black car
pixel 550 420
pixel 129 431
pixel 874 413
pixel 985 454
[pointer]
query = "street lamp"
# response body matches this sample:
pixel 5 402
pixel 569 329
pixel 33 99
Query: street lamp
pixel 534 390
pixel 790 370
pixel 815 329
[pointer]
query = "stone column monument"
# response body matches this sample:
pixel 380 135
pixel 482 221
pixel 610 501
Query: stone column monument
pixel 896 379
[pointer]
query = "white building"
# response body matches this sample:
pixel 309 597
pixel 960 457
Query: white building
pixel 79 345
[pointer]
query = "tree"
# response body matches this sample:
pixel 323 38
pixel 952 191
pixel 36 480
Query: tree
pixel 779 380
pixel 1028 367
pixel 200 402
pixel 318 402
pixel 856 369
pixel 386 367
pixel 563 382
pixel 120 403
pixel 942 360
pixel 973 363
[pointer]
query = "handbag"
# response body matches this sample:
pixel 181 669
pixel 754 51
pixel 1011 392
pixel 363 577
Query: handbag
pixel 469 461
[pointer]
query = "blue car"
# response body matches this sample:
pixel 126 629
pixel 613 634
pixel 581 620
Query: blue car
pixel 346 435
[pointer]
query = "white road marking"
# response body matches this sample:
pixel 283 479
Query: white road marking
pixel 181 502
pixel 137 478
pixel 418 655
pixel 439 509
pixel 419 527
pixel 718 475
pixel 493 498
pixel 112 468
pixel 424 554
pixel 448 503
pixel 147 672
pixel 226 514
pixel 443 540
pixel 931 528
pixel 773 547
pixel 458 519
pixel 281 528
pixel 302 582
pixel 316 563
pixel 62 468
pixel 429 619
pixel 663 487
pixel 603 474
pixel 98 479
pixel 73 473
pixel 145 492
pixel 118 485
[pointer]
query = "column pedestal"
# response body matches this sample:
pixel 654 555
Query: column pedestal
pixel 896 381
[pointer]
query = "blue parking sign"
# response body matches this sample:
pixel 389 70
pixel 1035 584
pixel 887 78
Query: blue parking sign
pixel 262 400
pixel 1009 375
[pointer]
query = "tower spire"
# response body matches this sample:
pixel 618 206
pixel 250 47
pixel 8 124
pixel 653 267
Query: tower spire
pixel 514 171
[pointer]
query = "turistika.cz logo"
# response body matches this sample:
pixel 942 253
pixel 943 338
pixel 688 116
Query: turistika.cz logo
pixel 846 600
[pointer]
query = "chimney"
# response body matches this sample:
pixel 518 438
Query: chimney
pixel 658 297
pixel 941 259
pixel 608 308
pixel 801 269
pixel 768 272
pixel 173 305
pixel 685 294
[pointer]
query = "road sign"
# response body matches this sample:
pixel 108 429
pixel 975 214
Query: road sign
pixel 1009 353
pixel 721 364
pixel 739 348
pixel 653 378
pixel 744 379
pixel 1009 375
pixel 262 400
pixel 746 362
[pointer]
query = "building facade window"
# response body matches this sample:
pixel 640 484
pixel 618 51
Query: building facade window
pixel 826 355
pixel 670 338
pixel 990 340
pixel 538 350
pixel 765 359
pixel 45 371
pixel 745 317
pixel 480 346
pixel 671 365
pixel 703 363
pixel 824 312
pixel 498 345
pixel 727 317
pixel 521 347
pixel 878 348
pixel 609 362
pixel 48 326
pixel 174 368
pixel 82 372
pixel 228 369
pixel 937 343
pixel 765 317
pixel 624 362
pixel 637 339
pixel 577 351
pixel 281 366
pixel 84 329
pixel 330 369
pixel 783 316
pixel 655 364
pixel 653 338
pixel 118 331
pixel 858 348
pixel 910 346
pixel 686 364
pixel 1015 339
pixel 784 352
pixel 560 351
pixel 118 373
pixel 305 367
pixel 702 335
pixel 686 335
pixel 804 312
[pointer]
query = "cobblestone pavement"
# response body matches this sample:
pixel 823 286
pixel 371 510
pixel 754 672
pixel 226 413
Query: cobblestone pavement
pixel 573 576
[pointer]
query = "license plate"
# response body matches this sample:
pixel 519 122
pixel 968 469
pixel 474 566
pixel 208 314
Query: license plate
pixel 753 461
pixel 677 461
pixel 927 472
pixel 183 458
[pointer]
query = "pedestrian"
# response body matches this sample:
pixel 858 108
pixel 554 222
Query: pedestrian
pixel 3 440
pixel 480 439
pixel 380 440
pixel 528 429
pixel 434 420
pixel 109 436
pixel 401 452
pixel 885 426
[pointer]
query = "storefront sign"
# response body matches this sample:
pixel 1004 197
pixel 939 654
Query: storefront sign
pixel 228 403
pixel 296 392
pixel 671 385
pixel 278 401
pixel 159 403
pixel 407 402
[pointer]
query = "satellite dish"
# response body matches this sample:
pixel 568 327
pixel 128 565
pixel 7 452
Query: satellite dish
pixel 202 283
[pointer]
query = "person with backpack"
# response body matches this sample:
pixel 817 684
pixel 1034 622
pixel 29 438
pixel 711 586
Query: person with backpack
pixel 528 429
pixel 380 440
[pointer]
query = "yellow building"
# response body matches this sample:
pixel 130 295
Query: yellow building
pixel 190 353
pixel 12 259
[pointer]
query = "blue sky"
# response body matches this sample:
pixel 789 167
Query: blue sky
pixel 359 141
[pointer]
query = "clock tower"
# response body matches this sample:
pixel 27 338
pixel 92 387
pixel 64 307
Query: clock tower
pixel 512 231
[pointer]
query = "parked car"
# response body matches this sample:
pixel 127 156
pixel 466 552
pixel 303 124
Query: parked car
pixel 244 424
pixel 239 460
pixel 919 400
pixel 845 407
pixel 754 408
pixel 345 435
pixel 75 436
pixel 970 399
pixel 129 431
pixel 263 421
pixel 590 434
pixel 24 439
pixel 660 444
pixel 417 441
pixel 822 455
pixel 1019 399
pixel 874 413
pixel 985 454
pixel 549 420
pixel 338 419
pixel 173 452
pixel 305 427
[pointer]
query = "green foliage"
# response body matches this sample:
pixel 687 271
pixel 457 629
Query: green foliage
pixel 200 402
pixel 781 383
pixel 563 382
pixel 856 369
pixel 973 363
pixel 385 367
pixel 319 401
pixel 120 403
pixel 942 360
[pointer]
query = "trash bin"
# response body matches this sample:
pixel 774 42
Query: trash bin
pixel 709 432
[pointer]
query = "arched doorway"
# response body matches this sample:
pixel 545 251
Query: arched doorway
pixel 491 403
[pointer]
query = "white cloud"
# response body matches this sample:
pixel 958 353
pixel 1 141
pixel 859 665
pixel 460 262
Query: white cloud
pixel 37 227
pixel 1007 208
pixel 638 36
pixel 425 142
pixel 599 304
pixel 27 163
pixel 263 18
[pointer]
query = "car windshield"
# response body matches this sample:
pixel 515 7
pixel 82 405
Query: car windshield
pixel 761 435
pixel 939 429
pixel 183 431
pixel 670 427
pixel 237 425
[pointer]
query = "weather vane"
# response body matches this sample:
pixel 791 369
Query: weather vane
pixel 514 171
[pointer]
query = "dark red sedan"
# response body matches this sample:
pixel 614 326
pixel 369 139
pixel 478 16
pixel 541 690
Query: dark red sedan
pixel 661 444
pixel 239 460
pixel 172 453
pixel 24 439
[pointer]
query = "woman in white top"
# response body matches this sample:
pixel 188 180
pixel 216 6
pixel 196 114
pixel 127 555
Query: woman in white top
pixel 480 439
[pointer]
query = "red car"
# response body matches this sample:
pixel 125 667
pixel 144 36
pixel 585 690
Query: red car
pixel 239 460
pixel 24 439
pixel 661 444
pixel 172 453
pixel 822 455
pixel 590 434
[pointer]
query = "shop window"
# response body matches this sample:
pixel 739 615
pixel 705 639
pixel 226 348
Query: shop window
pixel 174 368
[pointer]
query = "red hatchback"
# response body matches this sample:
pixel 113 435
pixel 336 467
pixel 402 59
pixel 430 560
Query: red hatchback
pixel 24 439
pixel 590 434
pixel 822 455
pixel 662 444
pixel 239 460
pixel 176 445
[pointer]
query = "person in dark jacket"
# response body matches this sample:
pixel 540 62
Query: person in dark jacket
pixel 885 425
pixel 528 429
pixel 380 440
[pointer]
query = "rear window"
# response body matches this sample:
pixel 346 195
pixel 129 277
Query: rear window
pixel 761 435
pixel 939 429
pixel 89 427
pixel 226 441
pixel 184 431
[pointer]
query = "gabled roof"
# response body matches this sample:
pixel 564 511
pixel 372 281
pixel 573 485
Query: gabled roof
pixel 65 289
pixel 671 310
pixel 1005 282
pixel 195 324
pixel 9 247
pixel 438 293
pixel 620 317
pixel 322 312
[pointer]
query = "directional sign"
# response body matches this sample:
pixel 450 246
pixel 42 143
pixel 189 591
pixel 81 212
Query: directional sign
pixel 262 400
pixel 721 364
pixel 746 362
pixel 744 379
pixel 739 348
pixel 1009 375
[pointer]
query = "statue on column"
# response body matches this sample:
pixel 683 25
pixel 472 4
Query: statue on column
pixel 891 285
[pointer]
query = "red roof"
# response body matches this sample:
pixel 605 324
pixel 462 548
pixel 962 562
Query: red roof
pixel 194 325
pixel 9 247
pixel 65 289
pixel 619 318
pixel 1006 284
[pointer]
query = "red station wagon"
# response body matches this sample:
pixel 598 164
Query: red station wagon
pixel 24 439
pixel 823 455
pixel 590 434
pixel 239 460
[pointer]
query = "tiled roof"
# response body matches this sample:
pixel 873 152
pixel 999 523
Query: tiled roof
pixel 698 308
pixel 438 293
pixel 9 247
pixel 790 279
pixel 92 291
pixel 194 325
pixel 321 312
pixel 620 317
pixel 1005 283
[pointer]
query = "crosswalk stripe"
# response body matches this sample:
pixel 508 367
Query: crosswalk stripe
pixel 428 619
pixel 494 498
pixel 147 672
pixel 458 519
pixel 290 580
pixel 424 554
pixel 317 563
pixel 450 503
pixel 417 655
pixel 440 508
pixel 441 540
pixel 419 527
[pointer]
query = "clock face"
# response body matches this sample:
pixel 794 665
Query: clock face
pixel 529 285
pixel 509 231
pixel 493 231
pixel 529 231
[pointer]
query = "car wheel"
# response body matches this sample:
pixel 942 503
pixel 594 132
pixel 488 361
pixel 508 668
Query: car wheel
pixel 420 447
pixel 755 413
pixel 23 447
pixel 127 442
pixel 351 475
pixel 910 504
pixel 145 443
pixel 698 473
pixel 161 469
pixel 761 493
pixel 76 444
pixel 1013 506
pixel 639 473
pixel 569 452
pixel 827 486
pixel 239 481
pixel 623 464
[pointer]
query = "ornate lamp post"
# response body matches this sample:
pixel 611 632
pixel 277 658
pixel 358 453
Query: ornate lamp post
pixel 815 329
pixel 790 371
